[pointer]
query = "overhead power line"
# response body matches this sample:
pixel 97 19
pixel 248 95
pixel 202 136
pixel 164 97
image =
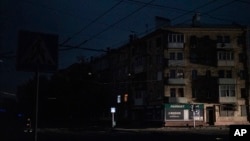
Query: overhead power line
pixel 247 2
pixel 190 11
pixel 158 5
pixel 194 10
pixel 122 19
pixel 111 26
pixel 214 9
pixel 92 22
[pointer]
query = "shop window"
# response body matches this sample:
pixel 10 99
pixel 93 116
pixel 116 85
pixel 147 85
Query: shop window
pixel 227 110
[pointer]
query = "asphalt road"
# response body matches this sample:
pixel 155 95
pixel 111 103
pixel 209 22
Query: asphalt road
pixel 121 134
pixel 13 131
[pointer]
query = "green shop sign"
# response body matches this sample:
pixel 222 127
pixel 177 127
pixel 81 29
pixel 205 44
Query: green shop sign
pixel 182 106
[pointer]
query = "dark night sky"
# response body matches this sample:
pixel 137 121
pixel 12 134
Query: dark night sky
pixel 103 23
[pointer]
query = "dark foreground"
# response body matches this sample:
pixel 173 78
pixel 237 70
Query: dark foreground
pixel 121 134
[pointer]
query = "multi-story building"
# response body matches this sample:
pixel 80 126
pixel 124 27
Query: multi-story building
pixel 181 75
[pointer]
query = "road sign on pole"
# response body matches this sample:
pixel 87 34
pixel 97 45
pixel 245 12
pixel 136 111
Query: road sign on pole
pixel 37 49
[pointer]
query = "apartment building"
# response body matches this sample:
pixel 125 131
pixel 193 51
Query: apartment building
pixel 206 66
pixel 181 75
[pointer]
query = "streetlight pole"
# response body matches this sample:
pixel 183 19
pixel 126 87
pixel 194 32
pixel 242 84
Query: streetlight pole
pixel 113 116
pixel 194 117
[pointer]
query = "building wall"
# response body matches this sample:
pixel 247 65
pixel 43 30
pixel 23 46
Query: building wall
pixel 149 60
pixel 214 67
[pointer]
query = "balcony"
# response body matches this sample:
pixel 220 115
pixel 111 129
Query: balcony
pixel 177 99
pixel 224 46
pixel 176 63
pixel 225 63
pixel 227 81
pixel 227 99
pixel 176 81
pixel 175 45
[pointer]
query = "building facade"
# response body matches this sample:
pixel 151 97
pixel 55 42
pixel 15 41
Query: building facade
pixel 180 74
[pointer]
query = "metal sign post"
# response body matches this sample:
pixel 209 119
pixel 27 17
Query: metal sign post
pixel 37 52
pixel 193 109
pixel 194 117
pixel 37 94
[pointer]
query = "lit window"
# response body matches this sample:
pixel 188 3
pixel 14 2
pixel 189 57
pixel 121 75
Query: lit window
pixel 126 98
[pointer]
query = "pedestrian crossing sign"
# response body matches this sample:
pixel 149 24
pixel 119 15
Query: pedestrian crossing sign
pixel 37 51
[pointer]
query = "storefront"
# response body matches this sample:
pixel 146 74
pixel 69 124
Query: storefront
pixel 182 114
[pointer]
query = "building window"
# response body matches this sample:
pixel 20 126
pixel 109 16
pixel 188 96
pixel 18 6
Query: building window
pixel 175 56
pixel 242 74
pixel 221 73
pixel 172 74
pixel 208 94
pixel 242 57
pixel 208 73
pixel 223 39
pixel 180 74
pixel 175 38
pixel 243 109
pixel 193 41
pixel 219 39
pixel 179 56
pixel 171 56
pixel 194 74
pixel 158 42
pixel 159 59
pixel 226 39
pixel 229 74
pixel 240 40
pixel 194 92
pixel 243 93
pixel 225 55
pixel 180 92
pixel 227 90
pixel 172 92
pixel 176 73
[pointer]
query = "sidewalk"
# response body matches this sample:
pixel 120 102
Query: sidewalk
pixel 216 128
pixel 101 130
